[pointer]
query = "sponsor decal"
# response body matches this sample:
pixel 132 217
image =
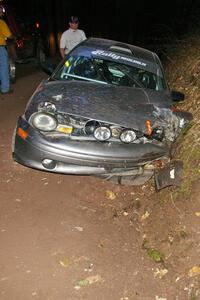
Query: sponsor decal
pixel 118 57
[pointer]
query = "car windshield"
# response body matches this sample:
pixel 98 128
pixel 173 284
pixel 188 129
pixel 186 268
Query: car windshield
pixel 78 66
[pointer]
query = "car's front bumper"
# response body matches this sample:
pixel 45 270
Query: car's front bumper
pixel 63 155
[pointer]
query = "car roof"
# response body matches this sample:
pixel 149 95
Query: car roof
pixel 122 48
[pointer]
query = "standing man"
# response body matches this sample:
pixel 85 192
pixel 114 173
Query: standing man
pixel 71 37
pixel 4 65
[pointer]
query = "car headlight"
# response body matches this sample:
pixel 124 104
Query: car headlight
pixel 128 136
pixel 102 133
pixel 44 121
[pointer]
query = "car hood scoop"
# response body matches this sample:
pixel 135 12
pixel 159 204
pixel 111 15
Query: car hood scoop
pixel 124 106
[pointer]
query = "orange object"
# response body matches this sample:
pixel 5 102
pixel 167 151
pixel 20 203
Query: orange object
pixel 22 133
pixel 149 128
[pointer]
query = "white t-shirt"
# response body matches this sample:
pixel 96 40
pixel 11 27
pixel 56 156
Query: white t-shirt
pixel 70 38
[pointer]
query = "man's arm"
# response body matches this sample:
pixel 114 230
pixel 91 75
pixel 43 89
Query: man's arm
pixel 5 31
pixel 62 52
pixel 83 36
pixel 63 41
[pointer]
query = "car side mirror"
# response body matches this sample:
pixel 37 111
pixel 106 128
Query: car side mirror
pixel 177 96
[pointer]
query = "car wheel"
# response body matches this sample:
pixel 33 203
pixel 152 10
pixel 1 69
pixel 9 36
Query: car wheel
pixel 12 70
pixel 138 179
pixel 40 56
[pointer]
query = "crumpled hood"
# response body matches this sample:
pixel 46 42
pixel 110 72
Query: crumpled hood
pixel 124 106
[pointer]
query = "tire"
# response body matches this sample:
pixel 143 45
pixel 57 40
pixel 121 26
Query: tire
pixel 131 180
pixel 12 70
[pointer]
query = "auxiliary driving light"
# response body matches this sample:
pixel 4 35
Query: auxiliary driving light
pixel 102 133
pixel 128 136
pixel 49 163
pixel 90 126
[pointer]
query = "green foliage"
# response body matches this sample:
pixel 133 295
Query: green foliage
pixel 155 255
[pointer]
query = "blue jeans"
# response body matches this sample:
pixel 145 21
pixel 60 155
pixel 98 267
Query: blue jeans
pixel 4 70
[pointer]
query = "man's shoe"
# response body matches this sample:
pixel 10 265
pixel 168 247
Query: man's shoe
pixel 8 92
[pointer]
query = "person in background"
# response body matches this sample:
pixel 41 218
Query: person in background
pixel 71 37
pixel 5 33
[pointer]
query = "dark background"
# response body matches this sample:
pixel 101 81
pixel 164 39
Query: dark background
pixel 136 22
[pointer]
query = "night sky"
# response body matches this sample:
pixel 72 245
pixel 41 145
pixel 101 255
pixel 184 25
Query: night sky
pixel 125 20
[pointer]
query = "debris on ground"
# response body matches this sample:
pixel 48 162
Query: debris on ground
pixel 195 271
pixel 110 195
pixel 160 298
pixel 160 273
pixel 145 216
pixel 87 281
pixel 65 262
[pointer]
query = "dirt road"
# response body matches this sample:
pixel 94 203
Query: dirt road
pixel 72 237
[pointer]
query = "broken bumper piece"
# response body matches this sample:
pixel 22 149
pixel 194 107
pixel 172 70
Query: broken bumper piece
pixel 170 175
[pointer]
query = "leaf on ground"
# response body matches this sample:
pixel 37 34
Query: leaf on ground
pixel 87 281
pixel 110 195
pixel 95 278
pixel 195 271
pixel 65 262
pixel 197 213
pixel 125 213
pixel 145 216
pixel 160 273
pixel 160 298
pixel 79 228
pixel 155 255
pixel 83 282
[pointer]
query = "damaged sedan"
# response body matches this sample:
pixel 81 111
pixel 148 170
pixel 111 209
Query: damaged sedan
pixel 106 110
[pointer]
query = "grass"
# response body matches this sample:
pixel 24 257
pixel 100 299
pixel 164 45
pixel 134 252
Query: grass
pixel 183 73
